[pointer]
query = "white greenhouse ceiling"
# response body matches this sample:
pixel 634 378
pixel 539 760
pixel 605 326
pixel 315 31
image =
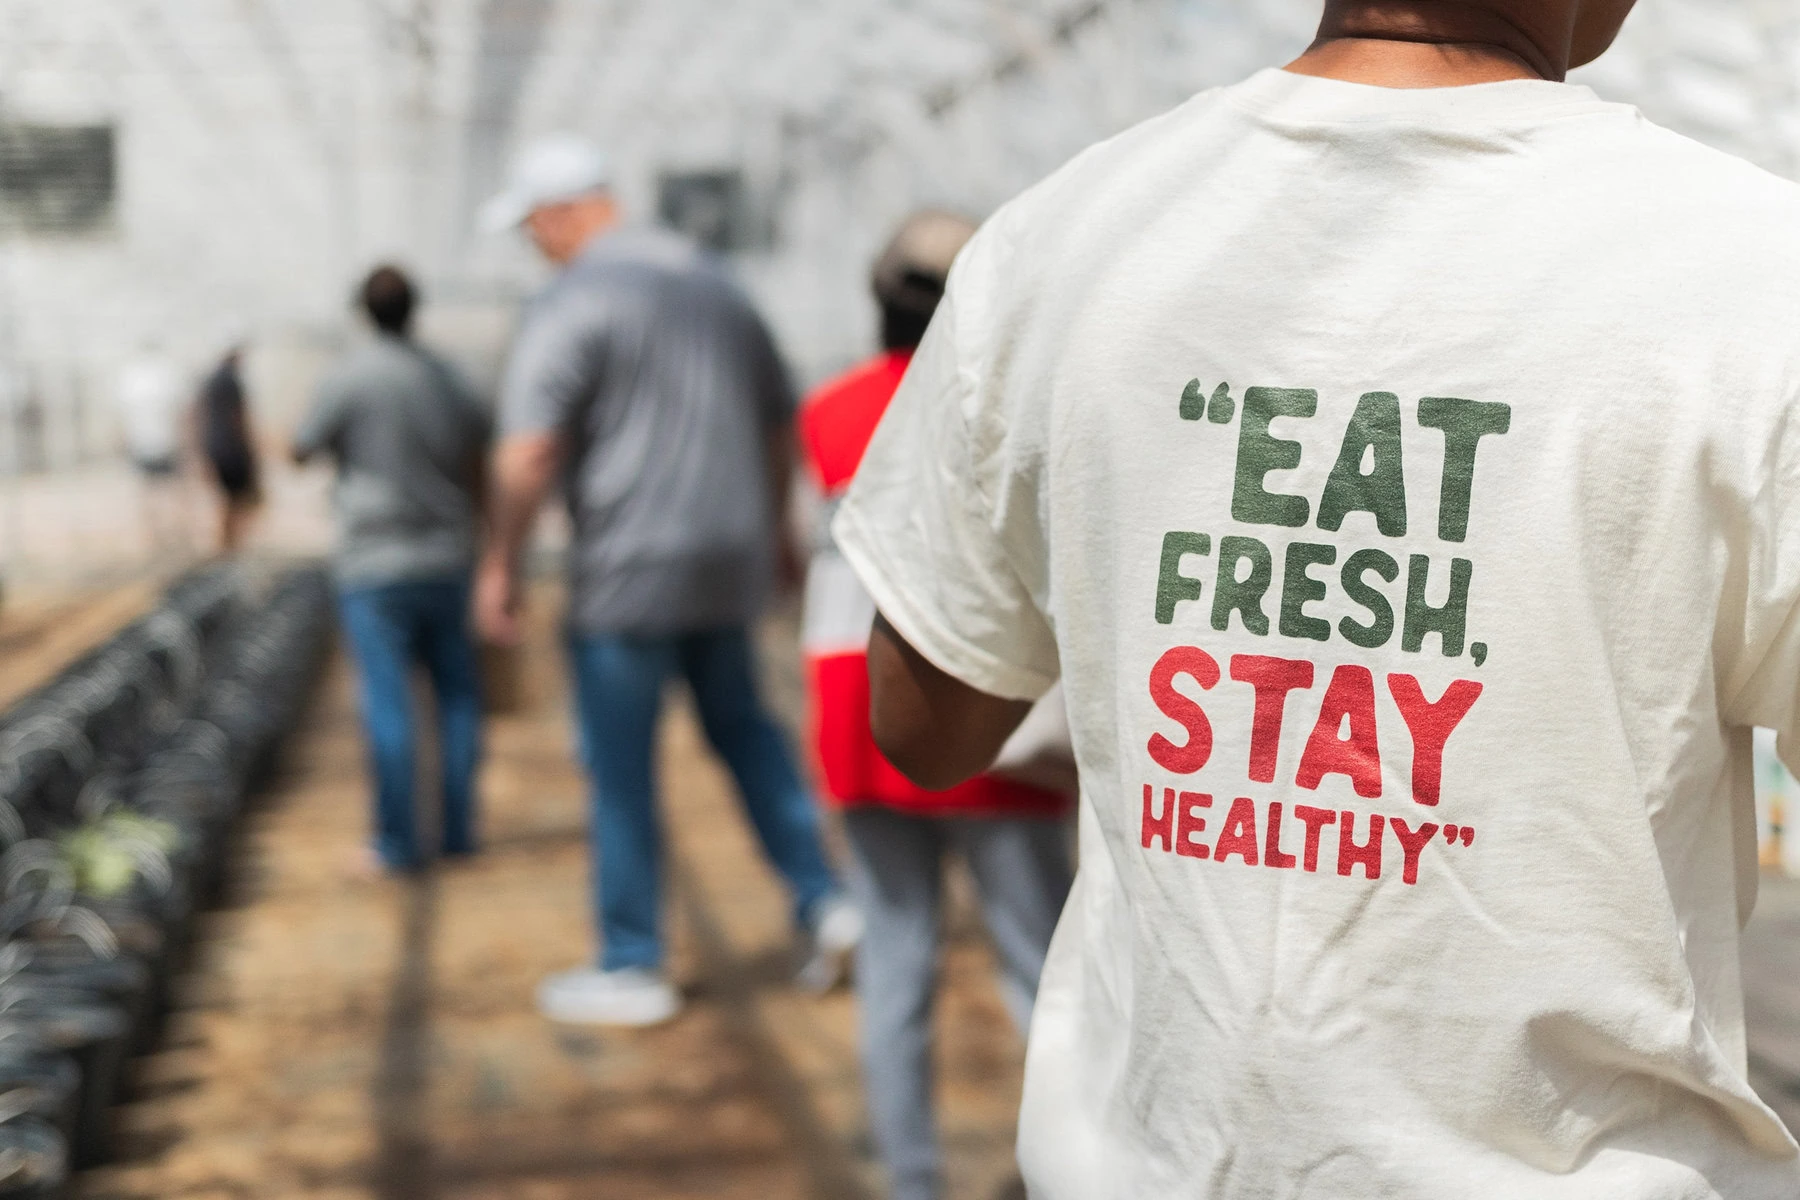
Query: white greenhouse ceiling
pixel 264 152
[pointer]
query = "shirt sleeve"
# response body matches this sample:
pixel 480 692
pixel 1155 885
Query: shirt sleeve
pixel 1762 685
pixel 924 524
pixel 775 397
pixel 552 371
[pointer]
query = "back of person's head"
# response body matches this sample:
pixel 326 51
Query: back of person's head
pixel 556 169
pixel 387 295
pixel 910 273
pixel 559 190
pixel 1551 36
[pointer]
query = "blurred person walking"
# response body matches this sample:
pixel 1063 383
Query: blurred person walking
pixel 643 378
pixel 408 436
pixel 1011 835
pixel 149 398
pixel 1396 459
pixel 229 444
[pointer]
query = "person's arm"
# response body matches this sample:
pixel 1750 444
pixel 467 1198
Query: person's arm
pixel 778 455
pixel 778 460
pixel 776 405
pixel 935 728
pixel 525 466
pixel 962 646
pixel 550 378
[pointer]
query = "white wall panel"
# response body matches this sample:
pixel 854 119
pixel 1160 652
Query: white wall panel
pixel 269 150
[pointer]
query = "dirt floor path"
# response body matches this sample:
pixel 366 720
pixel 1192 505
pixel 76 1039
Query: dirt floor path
pixel 378 1040
pixel 37 639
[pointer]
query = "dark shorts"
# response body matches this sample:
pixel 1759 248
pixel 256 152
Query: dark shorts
pixel 236 476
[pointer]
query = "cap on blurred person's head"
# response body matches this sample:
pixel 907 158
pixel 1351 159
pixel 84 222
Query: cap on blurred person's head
pixel 554 169
pixel 910 273
pixel 388 296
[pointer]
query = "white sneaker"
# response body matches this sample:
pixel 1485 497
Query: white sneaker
pixel 837 929
pixel 627 996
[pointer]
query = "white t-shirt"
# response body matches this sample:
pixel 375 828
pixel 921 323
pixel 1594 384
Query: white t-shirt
pixel 150 398
pixel 1404 485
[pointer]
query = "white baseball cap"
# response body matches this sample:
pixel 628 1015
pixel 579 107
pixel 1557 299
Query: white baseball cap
pixel 549 170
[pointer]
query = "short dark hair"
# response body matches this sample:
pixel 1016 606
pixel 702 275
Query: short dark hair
pixel 909 275
pixel 388 297
pixel 902 324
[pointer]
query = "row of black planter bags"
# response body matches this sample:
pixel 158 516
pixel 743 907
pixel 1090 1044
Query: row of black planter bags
pixel 120 783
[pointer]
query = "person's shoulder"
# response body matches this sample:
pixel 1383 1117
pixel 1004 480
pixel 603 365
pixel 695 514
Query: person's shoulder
pixel 366 358
pixel 622 273
pixel 450 382
pixel 1695 178
pixel 347 371
pixel 431 360
pixel 581 299
pixel 688 270
pixel 658 245
pixel 1084 195
pixel 1100 168
pixel 668 277
pixel 1718 227
pixel 626 256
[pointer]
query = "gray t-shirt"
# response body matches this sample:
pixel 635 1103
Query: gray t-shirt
pixel 665 386
pixel 408 434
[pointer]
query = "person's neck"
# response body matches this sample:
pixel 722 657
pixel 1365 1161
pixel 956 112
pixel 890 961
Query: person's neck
pixel 595 232
pixel 1400 44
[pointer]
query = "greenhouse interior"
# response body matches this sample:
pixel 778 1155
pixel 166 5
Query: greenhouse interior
pixel 272 551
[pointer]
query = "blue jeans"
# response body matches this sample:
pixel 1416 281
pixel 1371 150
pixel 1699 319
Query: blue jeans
pixel 1022 870
pixel 618 687
pixel 391 628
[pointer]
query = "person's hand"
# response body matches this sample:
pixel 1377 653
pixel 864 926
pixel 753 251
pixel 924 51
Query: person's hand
pixel 497 603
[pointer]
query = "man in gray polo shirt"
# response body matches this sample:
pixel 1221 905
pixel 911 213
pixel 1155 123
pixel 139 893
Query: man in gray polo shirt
pixel 408 435
pixel 643 378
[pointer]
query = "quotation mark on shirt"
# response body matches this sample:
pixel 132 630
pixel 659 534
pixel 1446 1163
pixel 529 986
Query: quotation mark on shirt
pixel 1459 833
pixel 1219 409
